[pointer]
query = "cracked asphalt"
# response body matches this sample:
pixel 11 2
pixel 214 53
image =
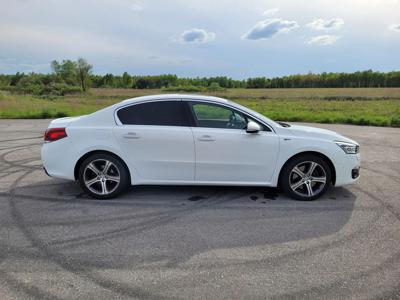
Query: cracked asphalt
pixel 198 242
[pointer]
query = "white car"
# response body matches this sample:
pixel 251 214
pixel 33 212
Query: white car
pixel 195 140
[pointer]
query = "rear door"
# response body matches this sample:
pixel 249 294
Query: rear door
pixel 158 140
pixel 225 152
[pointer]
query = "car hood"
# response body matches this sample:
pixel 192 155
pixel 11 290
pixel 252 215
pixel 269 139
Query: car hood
pixel 307 131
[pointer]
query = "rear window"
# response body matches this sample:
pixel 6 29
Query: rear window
pixel 161 113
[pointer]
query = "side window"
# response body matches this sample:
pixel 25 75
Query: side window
pixel 166 113
pixel 217 116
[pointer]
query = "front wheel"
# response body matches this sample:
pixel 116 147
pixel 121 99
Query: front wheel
pixel 306 177
pixel 103 176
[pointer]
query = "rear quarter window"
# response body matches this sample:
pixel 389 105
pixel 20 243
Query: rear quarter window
pixel 160 113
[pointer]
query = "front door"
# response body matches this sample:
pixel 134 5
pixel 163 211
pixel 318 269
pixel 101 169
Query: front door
pixel 225 152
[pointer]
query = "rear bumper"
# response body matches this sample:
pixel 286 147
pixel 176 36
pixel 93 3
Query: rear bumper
pixel 55 159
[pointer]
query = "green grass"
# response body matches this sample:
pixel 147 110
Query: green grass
pixel 378 107
pixel 360 112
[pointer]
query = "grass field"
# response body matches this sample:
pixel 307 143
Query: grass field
pixel 373 106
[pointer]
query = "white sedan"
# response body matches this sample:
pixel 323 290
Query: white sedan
pixel 195 140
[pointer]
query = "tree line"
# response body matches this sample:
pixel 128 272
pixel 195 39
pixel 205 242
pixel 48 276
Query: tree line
pixel 70 76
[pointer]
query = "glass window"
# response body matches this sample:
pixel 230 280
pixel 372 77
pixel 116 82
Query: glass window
pixel 216 116
pixel 166 113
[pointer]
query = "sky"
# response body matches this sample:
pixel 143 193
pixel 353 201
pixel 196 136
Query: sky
pixel 239 39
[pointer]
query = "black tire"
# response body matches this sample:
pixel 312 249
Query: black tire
pixel 105 185
pixel 291 177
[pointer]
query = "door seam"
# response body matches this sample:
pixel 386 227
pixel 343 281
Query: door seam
pixel 195 154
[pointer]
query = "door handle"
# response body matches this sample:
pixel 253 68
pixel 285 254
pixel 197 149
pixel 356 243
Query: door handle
pixel 206 138
pixel 131 135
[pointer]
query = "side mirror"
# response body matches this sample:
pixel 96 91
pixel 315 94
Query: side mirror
pixel 252 127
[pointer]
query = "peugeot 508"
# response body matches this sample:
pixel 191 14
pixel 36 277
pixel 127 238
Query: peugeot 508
pixel 195 140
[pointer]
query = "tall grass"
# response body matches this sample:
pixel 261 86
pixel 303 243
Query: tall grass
pixel 379 107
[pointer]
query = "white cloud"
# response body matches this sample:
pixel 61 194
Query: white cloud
pixel 395 27
pixel 270 12
pixel 196 36
pixel 268 28
pixel 321 24
pixel 135 5
pixel 323 40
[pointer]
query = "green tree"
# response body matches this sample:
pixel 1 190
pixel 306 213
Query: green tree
pixel 83 72
pixel 126 80
pixel 65 70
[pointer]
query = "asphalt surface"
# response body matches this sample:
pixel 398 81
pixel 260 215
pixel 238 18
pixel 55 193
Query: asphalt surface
pixel 197 242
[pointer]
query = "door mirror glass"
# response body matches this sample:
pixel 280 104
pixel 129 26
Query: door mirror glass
pixel 252 127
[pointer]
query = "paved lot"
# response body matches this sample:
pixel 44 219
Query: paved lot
pixel 197 242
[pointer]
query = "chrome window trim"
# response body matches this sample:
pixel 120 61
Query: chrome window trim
pixel 231 107
pixel 119 123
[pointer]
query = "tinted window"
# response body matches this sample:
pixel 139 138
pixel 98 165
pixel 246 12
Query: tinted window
pixel 217 116
pixel 167 113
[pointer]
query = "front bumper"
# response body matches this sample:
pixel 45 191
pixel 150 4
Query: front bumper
pixel 348 169
pixel 355 173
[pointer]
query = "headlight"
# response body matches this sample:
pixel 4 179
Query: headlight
pixel 348 148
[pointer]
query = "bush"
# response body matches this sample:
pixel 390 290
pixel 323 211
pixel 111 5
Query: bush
pixel 61 114
pixel 60 89
pixel 9 88
pixel 34 86
pixel 214 87
pixel 395 121
pixel 45 114
pixel 183 88
pixel 30 85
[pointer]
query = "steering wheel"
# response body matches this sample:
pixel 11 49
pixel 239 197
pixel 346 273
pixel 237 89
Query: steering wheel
pixel 232 121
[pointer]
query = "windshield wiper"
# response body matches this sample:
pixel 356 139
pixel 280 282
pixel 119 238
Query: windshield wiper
pixel 284 124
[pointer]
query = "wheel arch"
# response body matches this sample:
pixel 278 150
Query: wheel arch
pixel 86 155
pixel 319 154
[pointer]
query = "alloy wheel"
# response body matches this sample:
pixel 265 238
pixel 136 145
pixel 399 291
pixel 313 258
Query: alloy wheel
pixel 307 179
pixel 101 176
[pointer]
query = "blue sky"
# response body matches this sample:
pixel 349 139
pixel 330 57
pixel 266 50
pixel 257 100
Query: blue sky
pixel 239 39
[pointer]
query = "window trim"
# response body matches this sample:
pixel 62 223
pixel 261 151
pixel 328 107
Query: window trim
pixel 247 115
pixel 188 111
pixel 119 123
pixel 191 104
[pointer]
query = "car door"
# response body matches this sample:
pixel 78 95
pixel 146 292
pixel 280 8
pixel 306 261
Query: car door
pixel 156 138
pixel 225 152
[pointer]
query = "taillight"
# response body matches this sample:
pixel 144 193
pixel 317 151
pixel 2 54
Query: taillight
pixel 54 134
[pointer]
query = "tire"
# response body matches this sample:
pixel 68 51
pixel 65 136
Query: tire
pixel 103 176
pixel 299 183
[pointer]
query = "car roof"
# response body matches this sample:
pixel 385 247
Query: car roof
pixel 174 96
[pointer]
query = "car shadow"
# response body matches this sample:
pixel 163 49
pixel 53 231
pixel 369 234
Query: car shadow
pixel 168 225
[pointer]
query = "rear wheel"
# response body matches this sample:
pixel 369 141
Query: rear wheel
pixel 306 177
pixel 103 176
